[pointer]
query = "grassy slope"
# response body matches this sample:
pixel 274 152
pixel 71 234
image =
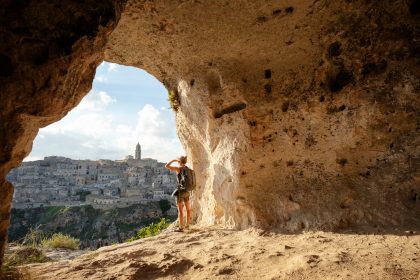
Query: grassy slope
pixel 83 222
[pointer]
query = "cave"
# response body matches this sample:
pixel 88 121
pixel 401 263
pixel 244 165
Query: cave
pixel 347 70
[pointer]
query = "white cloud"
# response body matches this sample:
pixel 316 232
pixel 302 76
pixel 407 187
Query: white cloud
pixel 95 101
pixel 155 130
pixel 105 98
pixel 101 127
pixel 101 79
pixel 88 118
pixel 90 131
pixel 31 158
pixel 112 67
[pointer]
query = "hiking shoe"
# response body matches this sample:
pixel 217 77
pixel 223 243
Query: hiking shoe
pixel 179 229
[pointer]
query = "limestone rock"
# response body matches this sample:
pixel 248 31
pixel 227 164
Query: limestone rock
pixel 295 115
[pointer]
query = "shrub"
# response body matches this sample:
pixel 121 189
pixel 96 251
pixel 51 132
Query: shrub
pixel 60 240
pixel 173 98
pixel 151 230
pixel 22 255
pixel 164 205
pixel 25 255
pixel 33 238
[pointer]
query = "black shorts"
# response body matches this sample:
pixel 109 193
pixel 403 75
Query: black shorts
pixel 182 196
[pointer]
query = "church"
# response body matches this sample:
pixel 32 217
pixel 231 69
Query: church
pixel 137 160
pixel 137 153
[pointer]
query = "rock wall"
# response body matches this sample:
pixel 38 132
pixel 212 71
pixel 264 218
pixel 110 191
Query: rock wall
pixel 93 227
pixel 49 52
pixel 295 114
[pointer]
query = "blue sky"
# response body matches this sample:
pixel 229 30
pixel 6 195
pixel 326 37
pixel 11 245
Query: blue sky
pixel 126 105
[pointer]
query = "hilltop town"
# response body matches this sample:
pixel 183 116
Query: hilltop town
pixel 102 183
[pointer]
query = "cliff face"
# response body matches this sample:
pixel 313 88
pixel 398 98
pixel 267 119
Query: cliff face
pixel 48 56
pixel 295 115
pixel 94 227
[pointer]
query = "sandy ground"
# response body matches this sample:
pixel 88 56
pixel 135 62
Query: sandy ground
pixel 251 254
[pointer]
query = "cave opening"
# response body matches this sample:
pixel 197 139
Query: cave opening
pixel 270 109
pixel 98 174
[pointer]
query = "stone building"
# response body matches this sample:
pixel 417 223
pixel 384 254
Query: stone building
pixel 56 180
pixel 138 152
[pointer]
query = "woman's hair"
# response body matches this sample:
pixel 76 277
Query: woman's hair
pixel 183 159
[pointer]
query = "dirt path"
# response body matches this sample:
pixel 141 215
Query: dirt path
pixel 249 254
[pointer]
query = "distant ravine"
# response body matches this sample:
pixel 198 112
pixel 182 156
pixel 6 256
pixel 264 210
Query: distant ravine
pixel 94 227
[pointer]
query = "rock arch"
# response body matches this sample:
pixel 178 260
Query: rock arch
pixel 296 115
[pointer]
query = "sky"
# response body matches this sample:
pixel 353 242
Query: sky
pixel 126 105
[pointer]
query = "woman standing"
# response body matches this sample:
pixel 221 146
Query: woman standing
pixel 182 196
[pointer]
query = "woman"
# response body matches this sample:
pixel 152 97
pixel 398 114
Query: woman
pixel 182 196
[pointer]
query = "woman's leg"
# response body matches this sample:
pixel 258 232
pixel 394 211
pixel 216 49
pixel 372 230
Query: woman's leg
pixel 187 206
pixel 181 214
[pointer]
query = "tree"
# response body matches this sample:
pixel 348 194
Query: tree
pixel 164 205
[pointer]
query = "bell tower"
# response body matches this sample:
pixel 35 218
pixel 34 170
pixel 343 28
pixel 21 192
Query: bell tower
pixel 137 154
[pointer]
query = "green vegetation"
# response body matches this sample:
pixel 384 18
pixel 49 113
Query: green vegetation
pixel 164 205
pixel 29 251
pixel 126 227
pixel 60 240
pixel 33 238
pixel 25 255
pixel 151 230
pixel 20 256
pixel 174 101
pixel 50 212
pixel 83 222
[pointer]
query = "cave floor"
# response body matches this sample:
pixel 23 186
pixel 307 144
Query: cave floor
pixel 213 253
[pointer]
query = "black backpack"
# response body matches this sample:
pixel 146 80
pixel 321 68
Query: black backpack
pixel 186 179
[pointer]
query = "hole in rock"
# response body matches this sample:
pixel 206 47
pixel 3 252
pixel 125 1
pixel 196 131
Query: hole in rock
pixel 340 80
pixel 276 12
pixel 267 88
pixel 229 110
pixel 342 161
pixel 415 7
pixel 285 106
pixel 334 49
pixel 267 73
pixel 6 67
pixel 98 174
pixel 342 108
pixel 262 19
pixel 289 10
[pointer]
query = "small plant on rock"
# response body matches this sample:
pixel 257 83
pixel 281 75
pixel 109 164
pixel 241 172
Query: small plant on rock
pixel 60 240
pixel 33 238
pixel 20 256
pixel 151 230
pixel 174 100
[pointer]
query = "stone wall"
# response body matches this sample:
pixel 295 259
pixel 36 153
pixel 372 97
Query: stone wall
pixel 295 114
pixel 49 52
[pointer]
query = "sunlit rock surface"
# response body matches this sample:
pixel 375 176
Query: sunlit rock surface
pixel 295 114
pixel 49 52
pixel 211 253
